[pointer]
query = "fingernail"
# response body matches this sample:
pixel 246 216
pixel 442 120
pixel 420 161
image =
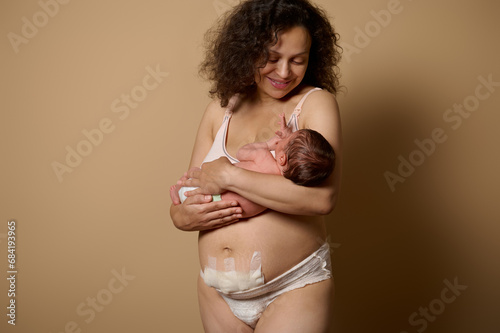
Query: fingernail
pixel 208 197
pixel 234 204
pixel 238 211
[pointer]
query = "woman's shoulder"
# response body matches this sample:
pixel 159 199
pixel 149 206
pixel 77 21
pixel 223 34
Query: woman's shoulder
pixel 212 116
pixel 214 107
pixel 317 98
pixel 214 110
pixel 309 91
pixel 320 112
pixel 320 105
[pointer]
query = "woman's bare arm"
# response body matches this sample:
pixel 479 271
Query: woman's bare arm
pixel 199 212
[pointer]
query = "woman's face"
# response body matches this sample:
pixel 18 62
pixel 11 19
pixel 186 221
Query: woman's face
pixel 287 64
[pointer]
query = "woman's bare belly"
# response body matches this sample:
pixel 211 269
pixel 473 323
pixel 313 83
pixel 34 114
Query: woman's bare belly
pixel 283 241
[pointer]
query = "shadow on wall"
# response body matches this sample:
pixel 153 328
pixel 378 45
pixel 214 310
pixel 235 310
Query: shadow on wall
pixel 390 258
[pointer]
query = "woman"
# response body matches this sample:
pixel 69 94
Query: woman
pixel 266 57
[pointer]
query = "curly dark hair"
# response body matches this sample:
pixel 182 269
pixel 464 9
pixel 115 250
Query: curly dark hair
pixel 311 158
pixel 238 45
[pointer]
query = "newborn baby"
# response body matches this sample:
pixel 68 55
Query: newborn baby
pixel 304 156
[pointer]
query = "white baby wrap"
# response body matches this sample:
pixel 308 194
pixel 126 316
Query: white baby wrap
pixel 183 190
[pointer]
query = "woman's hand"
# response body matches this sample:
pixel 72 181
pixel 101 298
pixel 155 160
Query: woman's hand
pixel 198 212
pixel 211 178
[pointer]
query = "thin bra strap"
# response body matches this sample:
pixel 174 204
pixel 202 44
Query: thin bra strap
pixel 298 108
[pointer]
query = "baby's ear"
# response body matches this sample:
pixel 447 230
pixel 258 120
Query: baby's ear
pixel 281 159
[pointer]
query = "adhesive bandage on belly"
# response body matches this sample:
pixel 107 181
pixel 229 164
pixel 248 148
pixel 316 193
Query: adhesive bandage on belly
pixel 183 190
pixel 230 280
pixel 248 305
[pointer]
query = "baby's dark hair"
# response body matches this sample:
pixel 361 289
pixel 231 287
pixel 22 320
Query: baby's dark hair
pixel 238 46
pixel 311 158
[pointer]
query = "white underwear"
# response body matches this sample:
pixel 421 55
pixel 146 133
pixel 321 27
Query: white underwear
pixel 246 293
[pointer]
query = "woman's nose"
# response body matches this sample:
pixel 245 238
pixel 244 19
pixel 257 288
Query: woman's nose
pixel 283 69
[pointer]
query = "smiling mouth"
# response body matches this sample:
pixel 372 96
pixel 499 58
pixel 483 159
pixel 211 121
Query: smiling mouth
pixel 278 84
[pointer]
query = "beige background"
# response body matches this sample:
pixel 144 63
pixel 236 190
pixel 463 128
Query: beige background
pixel 392 250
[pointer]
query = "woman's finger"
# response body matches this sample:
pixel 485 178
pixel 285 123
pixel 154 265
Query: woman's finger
pixel 192 169
pixel 215 214
pixel 222 205
pixel 222 218
pixel 189 182
pixel 212 206
pixel 194 173
pixel 220 209
pixel 198 199
pixel 197 191
pixel 219 223
pixel 209 214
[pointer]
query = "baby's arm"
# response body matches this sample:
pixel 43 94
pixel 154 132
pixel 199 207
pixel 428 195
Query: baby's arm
pixel 255 157
pixel 249 208
pixel 252 151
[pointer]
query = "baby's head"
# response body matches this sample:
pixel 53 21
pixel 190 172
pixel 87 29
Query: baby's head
pixel 305 157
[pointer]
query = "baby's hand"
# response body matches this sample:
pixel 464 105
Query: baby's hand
pixel 284 131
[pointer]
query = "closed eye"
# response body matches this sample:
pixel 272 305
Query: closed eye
pixel 298 61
